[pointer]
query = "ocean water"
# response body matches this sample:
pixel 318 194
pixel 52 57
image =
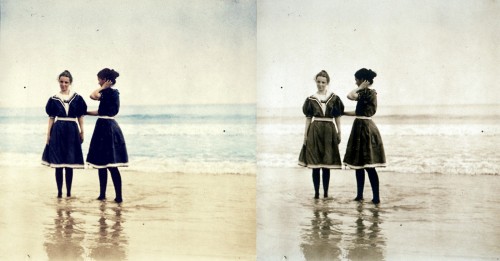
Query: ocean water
pixel 171 138
pixel 457 140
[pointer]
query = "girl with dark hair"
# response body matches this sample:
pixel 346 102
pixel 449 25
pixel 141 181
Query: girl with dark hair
pixel 63 147
pixel 320 150
pixel 107 149
pixel 365 150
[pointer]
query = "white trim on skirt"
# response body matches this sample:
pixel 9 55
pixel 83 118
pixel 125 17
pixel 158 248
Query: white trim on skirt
pixel 73 166
pixel 111 165
pixel 375 165
pixel 326 166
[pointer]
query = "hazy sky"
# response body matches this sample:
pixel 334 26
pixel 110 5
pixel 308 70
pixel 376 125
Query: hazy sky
pixel 424 51
pixel 265 51
pixel 167 52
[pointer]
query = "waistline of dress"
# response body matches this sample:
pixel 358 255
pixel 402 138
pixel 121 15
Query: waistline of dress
pixel 65 119
pixel 106 117
pixel 313 119
pixel 363 118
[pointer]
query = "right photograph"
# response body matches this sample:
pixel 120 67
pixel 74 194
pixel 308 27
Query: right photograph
pixel 377 127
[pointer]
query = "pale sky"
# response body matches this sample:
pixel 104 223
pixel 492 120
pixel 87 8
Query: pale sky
pixel 167 52
pixel 424 51
pixel 265 51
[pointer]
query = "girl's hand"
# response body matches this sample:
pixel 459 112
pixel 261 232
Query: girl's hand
pixel 106 84
pixel 48 139
pixel 81 136
pixel 338 138
pixel 305 139
pixel 364 84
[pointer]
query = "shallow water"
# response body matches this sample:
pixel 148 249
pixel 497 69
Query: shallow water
pixel 421 217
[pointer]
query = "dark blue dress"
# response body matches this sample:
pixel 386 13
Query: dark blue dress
pixel 321 149
pixel 65 147
pixel 107 147
pixel 365 148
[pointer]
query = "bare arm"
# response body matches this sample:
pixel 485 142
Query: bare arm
pixel 353 95
pixel 96 94
pixel 80 122
pixel 350 113
pixel 337 123
pixel 51 122
pixel 308 122
pixel 93 113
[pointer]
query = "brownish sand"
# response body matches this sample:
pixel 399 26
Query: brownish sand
pixel 421 217
pixel 165 216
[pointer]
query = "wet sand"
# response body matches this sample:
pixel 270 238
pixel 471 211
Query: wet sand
pixel 165 216
pixel 421 217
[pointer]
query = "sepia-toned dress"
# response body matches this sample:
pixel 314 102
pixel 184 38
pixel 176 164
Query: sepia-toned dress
pixel 365 148
pixel 321 149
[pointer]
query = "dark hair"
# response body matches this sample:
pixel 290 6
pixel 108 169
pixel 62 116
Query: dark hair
pixel 323 73
pixel 365 74
pixel 66 73
pixel 108 74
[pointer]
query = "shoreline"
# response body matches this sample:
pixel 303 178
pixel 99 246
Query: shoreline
pixel 164 215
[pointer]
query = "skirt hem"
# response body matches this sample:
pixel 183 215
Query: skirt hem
pixel 317 166
pixel 374 165
pixel 73 166
pixel 110 165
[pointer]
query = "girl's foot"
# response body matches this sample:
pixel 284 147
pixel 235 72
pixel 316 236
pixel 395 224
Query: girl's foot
pixel 316 195
pixel 59 194
pixel 325 195
pixel 359 199
pixel 68 195
pixel 118 200
pixel 376 201
pixel 101 197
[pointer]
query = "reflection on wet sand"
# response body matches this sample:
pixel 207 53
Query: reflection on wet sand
pixel 337 233
pixel 109 242
pixel 63 239
pixel 368 242
pixel 321 239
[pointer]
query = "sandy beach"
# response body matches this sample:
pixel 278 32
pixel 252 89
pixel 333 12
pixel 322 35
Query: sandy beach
pixel 165 216
pixel 421 217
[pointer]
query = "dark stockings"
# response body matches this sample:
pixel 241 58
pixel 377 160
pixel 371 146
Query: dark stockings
pixel 360 181
pixel 59 181
pixel 316 181
pixel 117 182
pixel 103 182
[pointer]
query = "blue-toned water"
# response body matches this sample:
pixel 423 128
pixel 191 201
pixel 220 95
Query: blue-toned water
pixel 170 138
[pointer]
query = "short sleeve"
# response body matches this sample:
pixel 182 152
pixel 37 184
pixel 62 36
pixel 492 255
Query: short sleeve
pixel 82 107
pixel 50 108
pixel 307 108
pixel 337 108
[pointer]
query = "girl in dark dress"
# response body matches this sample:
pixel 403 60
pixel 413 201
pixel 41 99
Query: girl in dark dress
pixel 322 135
pixel 107 149
pixel 63 149
pixel 365 150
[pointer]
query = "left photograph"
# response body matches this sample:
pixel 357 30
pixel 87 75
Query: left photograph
pixel 128 130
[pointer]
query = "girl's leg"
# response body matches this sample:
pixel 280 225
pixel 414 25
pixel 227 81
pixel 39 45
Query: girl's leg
pixel 326 181
pixel 59 181
pixel 117 182
pixel 315 176
pixel 372 175
pixel 69 181
pixel 360 183
pixel 103 181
